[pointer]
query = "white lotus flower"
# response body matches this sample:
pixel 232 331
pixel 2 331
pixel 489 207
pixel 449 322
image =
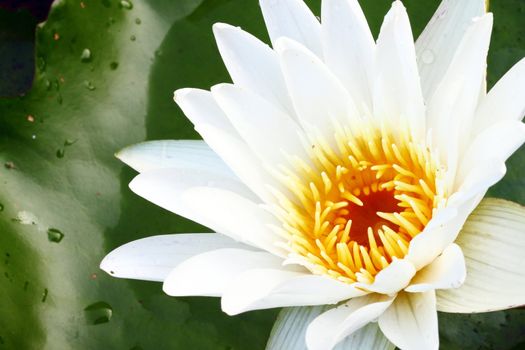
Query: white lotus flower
pixel 339 169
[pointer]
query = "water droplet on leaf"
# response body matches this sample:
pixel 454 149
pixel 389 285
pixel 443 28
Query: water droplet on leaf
pixel 9 165
pixel 54 235
pixel 133 38
pixel 126 4
pixel 89 85
pixel 138 20
pixel 60 153
pixel 86 55
pixel 1 207
pixel 44 295
pixel 99 312
pixel 113 65
pixel 41 64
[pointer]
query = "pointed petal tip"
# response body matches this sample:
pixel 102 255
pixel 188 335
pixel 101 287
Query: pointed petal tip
pixel 170 289
pixel 285 45
pixel 108 264
pixel 123 154
pixel 179 94
pixel 229 308
pixel 221 88
pixel 219 28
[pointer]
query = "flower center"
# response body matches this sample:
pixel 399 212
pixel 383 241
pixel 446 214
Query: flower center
pixel 357 205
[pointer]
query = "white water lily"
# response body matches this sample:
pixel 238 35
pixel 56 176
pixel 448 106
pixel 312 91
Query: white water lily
pixel 341 170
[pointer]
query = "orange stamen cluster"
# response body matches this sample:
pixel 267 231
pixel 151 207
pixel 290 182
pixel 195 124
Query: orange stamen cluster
pixel 356 205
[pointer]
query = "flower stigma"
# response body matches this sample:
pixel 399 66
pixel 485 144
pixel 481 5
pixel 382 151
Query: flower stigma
pixel 354 208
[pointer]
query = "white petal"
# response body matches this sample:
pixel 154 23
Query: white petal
pixel 252 64
pixel 233 215
pixel 391 279
pixel 209 273
pixel 452 107
pixel 242 161
pixel 440 232
pixel 267 288
pixel 447 271
pixel 397 93
pixel 294 20
pixel 494 144
pixel 212 202
pixel 478 179
pixel 164 186
pixel 493 242
pixel 289 331
pixel 200 108
pixel 215 128
pixel 318 97
pixel 152 258
pixel 268 131
pixel 411 322
pixel 334 325
pixel 505 101
pixel 349 48
pixel 439 41
pixel 152 155
pixel 368 337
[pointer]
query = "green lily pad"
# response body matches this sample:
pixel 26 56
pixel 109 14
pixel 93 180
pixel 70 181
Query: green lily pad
pixel 105 74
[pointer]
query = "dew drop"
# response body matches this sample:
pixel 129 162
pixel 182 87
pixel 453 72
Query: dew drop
pixel 113 65
pixel 133 38
pixel 54 235
pixel 41 64
pixel 89 85
pixel 98 313
pixel 33 137
pixel 86 55
pixel 60 153
pixel 138 20
pixel 9 165
pixel 44 295
pixel 126 4
pixel 69 142
pixel 47 84
pixel 427 56
pixel 1 207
